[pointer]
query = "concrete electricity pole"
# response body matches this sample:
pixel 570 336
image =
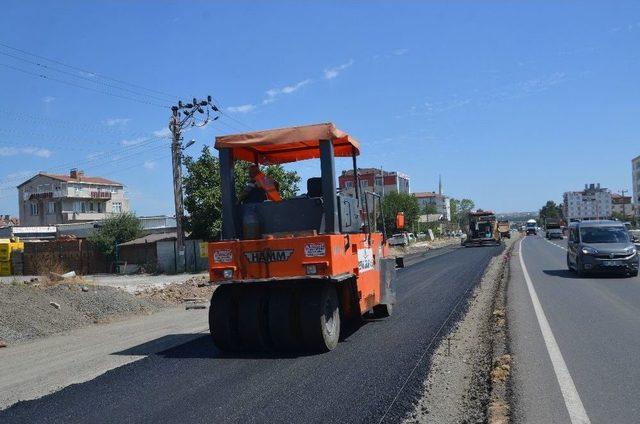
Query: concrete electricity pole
pixel 182 116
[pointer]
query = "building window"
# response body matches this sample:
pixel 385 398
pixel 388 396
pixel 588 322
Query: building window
pixel 378 181
pixel 99 207
pixel 90 206
pixel 83 207
pixel 349 184
pixel 34 208
pixel 116 207
pixel 51 208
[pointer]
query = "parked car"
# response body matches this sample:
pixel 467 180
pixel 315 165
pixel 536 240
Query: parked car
pixel 601 246
pixel 399 239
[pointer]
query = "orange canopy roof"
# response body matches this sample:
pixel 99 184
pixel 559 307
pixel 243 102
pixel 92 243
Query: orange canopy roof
pixel 287 144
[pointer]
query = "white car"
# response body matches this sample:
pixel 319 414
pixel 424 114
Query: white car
pixel 400 239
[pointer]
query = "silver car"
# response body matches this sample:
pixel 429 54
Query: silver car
pixel 601 246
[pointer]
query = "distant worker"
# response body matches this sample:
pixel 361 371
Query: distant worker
pixel 260 188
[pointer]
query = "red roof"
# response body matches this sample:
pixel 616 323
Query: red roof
pixel 426 194
pixel 80 179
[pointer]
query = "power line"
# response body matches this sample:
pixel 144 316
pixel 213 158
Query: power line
pixel 137 149
pixel 92 80
pixel 76 68
pixel 43 76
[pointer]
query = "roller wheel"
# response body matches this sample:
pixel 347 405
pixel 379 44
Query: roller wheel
pixel 283 320
pixel 320 318
pixel 223 319
pixel 252 318
pixel 383 310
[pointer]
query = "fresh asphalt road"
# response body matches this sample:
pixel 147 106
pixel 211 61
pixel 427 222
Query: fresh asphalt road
pixel 585 367
pixel 374 375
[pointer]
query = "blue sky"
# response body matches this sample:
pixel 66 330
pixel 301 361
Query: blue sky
pixel 511 102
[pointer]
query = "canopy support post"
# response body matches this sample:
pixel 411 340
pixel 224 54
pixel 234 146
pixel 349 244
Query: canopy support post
pixel 228 194
pixel 329 194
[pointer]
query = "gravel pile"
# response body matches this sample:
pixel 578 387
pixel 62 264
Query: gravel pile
pixel 177 293
pixel 29 311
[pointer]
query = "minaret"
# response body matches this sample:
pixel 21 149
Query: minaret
pixel 440 184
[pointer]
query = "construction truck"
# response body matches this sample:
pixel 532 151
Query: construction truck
pixel 553 228
pixel 505 229
pixel 291 272
pixel 482 229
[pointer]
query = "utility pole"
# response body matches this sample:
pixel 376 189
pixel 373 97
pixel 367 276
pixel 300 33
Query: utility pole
pixel 624 205
pixel 182 116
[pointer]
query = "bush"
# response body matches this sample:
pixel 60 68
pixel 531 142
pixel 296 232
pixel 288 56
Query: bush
pixel 113 231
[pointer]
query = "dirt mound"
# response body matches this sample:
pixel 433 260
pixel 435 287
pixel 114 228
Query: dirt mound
pixel 195 289
pixel 33 310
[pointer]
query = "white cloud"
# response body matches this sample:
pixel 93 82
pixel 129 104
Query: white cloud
pixel 164 132
pixel 48 99
pixel 400 52
pixel 275 92
pixel 132 141
pixel 149 164
pixel 29 151
pixel 116 121
pixel 333 72
pixel 241 109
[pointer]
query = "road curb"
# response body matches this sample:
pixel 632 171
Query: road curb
pixel 498 410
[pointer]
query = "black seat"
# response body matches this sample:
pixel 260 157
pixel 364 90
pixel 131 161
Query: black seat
pixel 314 187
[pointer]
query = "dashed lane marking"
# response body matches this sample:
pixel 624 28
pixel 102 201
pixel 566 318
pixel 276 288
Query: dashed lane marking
pixel 572 401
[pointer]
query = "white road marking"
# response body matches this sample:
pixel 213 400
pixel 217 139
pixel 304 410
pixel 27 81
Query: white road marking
pixel 572 401
pixel 556 245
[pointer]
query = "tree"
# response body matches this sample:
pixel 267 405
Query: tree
pixel 430 209
pixel 550 210
pixel 115 230
pixel 400 202
pixel 460 210
pixel 202 195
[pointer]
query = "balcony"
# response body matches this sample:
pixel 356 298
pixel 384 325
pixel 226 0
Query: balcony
pixel 85 216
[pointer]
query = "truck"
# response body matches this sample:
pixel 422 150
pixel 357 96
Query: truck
pixel 505 228
pixel 553 228
pixel 531 227
pixel 291 273
pixel 482 229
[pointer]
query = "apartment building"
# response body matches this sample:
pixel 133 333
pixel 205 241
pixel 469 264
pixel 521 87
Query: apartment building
pixel 594 202
pixel 440 201
pixel 375 180
pixel 50 199
pixel 622 205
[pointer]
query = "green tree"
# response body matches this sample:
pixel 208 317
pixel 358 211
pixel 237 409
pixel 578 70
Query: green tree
pixel 430 209
pixel 400 202
pixel 460 210
pixel 202 195
pixel 115 230
pixel 550 210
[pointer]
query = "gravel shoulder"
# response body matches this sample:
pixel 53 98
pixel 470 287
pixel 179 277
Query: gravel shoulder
pixel 468 366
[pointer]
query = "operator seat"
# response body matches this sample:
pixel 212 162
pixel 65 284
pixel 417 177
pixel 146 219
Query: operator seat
pixel 314 187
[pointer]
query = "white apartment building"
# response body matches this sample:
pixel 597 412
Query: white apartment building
pixel 593 202
pixel 50 199
pixel 635 176
pixel 440 201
